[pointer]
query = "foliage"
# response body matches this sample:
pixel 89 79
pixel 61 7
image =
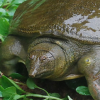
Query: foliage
pixel 11 90
pixel 7 10
pixel 83 90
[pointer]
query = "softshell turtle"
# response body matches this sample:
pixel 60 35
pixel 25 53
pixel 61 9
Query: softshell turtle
pixel 57 40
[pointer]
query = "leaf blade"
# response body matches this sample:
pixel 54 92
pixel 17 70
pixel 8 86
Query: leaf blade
pixel 83 90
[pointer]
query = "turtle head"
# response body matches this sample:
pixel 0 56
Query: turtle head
pixel 45 60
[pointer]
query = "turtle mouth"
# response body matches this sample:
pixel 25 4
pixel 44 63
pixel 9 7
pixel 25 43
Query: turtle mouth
pixel 42 74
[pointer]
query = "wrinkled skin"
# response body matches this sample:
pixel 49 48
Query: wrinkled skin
pixel 56 40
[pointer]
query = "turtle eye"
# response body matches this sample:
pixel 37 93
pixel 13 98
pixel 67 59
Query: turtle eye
pixel 43 58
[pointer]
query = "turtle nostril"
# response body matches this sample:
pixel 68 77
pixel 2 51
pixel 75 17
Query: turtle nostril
pixel 32 73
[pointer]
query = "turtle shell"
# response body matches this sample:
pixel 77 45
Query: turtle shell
pixel 76 19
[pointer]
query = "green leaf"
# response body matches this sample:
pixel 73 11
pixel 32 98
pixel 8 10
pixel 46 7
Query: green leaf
pixel 17 76
pixel 30 83
pixel 2 12
pixel 3 2
pixel 0 2
pixel 12 10
pixel 17 1
pixel 0 94
pixel 1 88
pixel 11 97
pixel 6 82
pixel 4 27
pixel 8 92
pixel 54 95
pixel 83 90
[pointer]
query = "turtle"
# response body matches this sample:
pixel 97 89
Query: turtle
pixel 56 40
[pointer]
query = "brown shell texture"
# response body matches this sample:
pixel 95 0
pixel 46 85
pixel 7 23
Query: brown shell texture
pixel 76 19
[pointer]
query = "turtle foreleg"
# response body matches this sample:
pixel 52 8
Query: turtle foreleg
pixel 89 65
pixel 10 51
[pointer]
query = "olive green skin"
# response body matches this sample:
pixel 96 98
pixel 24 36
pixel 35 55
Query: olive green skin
pixel 57 40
